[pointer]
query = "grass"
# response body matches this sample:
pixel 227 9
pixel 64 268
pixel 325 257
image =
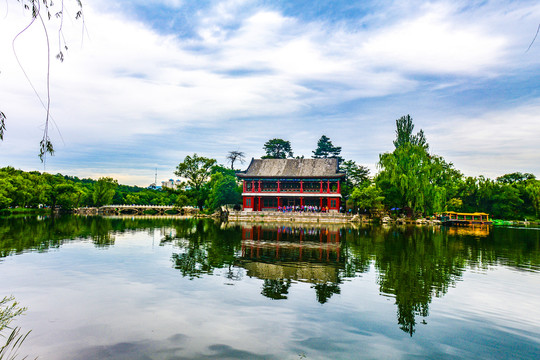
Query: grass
pixel 23 211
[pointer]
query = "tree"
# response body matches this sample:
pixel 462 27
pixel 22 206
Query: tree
pixel 236 155
pixel 277 149
pixel 54 189
pixel 404 129
pixel 515 178
pixel 368 197
pixel 197 170
pixel 38 11
pixel 356 175
pixel 325 149
pixel 412 177
pixel 533 190
pixel 224 190
pixel 104 190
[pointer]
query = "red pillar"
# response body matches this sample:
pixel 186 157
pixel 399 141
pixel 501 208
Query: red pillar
pixel 301 186
pixel 278 200
pixel 259 185
pixel 321 187
pixel 338 187
pixel 278 189
pixel 252 185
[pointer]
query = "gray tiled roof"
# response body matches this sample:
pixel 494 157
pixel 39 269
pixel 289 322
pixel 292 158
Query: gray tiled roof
pixel 293 168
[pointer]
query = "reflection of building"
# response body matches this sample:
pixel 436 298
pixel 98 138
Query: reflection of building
pixel 472 230
pixel 303 254
pixel 269 184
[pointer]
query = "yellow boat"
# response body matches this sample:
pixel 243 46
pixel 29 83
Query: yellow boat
pixel 453 218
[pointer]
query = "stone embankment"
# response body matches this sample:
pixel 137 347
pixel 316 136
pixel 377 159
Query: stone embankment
pixel 300 217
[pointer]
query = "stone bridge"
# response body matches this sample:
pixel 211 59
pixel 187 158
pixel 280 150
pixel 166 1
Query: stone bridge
pixel 142 209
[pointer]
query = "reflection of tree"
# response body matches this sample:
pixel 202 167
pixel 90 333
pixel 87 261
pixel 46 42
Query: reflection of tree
pixel 325 291
pixel 193 262
pixel 414 265
pixel 205 247
pixel 276 289
pixel 101 232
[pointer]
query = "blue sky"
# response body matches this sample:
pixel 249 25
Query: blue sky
pixel 153 81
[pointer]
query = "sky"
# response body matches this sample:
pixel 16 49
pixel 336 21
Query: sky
pixel 145 83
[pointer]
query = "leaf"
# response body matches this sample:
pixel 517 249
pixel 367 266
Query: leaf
pixel 45 146
pixel 2 125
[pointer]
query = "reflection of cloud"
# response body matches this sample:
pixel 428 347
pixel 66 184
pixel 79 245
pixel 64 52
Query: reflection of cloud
pixel 171 348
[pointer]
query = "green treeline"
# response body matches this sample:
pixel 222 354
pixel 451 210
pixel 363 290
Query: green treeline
pixel 410 180
pixel 416 182
pixel 413 178
pixel 34 189
pixel 208 186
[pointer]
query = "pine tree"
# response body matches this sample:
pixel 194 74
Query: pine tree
pixel 325 149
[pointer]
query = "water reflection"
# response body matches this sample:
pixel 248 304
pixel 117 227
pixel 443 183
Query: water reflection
pixel 282 254
pixel 413 265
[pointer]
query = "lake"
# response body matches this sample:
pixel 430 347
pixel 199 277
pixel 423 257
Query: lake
pixel 174 288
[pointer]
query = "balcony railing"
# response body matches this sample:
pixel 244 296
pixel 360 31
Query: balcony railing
pixel 299 191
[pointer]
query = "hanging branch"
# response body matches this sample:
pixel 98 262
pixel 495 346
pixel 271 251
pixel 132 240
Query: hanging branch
pixel 532 42
pixel 45 145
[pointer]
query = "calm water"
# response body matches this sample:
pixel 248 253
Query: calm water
pixel 100 288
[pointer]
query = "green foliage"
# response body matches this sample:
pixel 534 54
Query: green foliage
pixel 104 190
pixel 367 197
pixel 411 177
pixel 9 309
pixel 511 196
pixel 55 190
pixel 181 200
pixel 2 125
pixel 277 149
pixel 404 135
pixel 197 170
pixel 533 190
pixel 356 176
pixel 325 149
pixel 224 191
pixel 514 178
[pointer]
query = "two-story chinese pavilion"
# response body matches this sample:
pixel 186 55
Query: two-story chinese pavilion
pixel 269 184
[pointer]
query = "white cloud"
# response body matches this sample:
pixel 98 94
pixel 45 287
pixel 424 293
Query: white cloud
pixel 492 144
pixel 437 42
pixel 249 74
